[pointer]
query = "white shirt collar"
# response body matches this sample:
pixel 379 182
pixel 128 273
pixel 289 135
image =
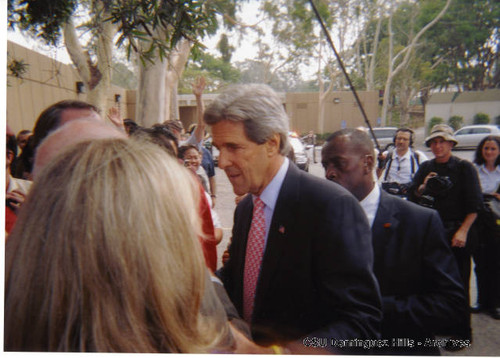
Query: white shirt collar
pixel 405 156
pixel 482 167
pixel 270 193
pixel 370 203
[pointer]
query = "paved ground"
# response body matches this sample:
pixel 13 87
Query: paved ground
pixel 486 331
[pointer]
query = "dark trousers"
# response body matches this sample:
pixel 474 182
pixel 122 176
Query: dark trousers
pixel 486 256
pixel 463 259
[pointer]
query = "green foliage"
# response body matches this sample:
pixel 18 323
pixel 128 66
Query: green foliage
pixel 434 121
pixel 17 68
pixel 497 120
pixel 456 122
pixel 481 118
pixel 321 138
pixel 123 77
pixel 42 18
pixel 160 24
pixel 463 45
pixel 225 48
pixel 216 71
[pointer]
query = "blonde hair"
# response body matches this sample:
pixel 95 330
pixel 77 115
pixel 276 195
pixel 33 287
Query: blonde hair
pixel 105 257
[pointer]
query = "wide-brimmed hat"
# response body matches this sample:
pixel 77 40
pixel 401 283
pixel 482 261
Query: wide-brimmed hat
pixel 441 130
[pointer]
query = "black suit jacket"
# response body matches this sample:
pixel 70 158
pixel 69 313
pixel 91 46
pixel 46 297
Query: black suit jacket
pixel 421 289
pixel 316 276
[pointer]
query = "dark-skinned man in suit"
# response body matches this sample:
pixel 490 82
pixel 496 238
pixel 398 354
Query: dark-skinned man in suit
pixel 422 294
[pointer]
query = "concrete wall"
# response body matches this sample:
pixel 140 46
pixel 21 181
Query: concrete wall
pixel 466 104
pixel 45 82
pixel 48 81
pixel 303 110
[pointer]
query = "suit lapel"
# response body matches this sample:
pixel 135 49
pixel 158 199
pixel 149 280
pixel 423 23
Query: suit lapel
pixel 244 222
pixel 384 228
pixel 280 228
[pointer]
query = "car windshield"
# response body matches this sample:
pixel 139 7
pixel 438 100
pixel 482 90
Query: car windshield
pixel 384 133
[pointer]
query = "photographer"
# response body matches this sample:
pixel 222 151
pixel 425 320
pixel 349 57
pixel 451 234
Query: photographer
pixel 451 186
pixel 400 164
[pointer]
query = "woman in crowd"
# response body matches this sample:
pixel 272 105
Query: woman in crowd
pixel 104 257
pixel 487 253
pixel 191 156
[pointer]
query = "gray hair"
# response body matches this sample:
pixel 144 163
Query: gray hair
pixel 258 107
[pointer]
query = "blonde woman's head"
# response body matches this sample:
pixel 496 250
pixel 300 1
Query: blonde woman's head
pixel 105 256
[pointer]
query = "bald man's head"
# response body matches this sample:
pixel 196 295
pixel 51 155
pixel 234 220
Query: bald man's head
pixel 71 133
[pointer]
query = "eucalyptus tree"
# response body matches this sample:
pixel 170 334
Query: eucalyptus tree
pixel 153 30
pixel 464 47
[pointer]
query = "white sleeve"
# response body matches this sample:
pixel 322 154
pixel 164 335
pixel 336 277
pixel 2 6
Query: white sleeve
pixel 215 216
pixel 192 141
pixel 421 156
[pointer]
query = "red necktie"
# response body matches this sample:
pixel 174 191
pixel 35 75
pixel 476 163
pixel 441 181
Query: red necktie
pixel 253 258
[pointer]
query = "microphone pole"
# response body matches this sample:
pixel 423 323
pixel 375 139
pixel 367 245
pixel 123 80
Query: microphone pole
pixel 327 34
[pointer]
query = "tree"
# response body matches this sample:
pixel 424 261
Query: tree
pixel 123 76
pixel 463 46
pixel 152 29
pixel 297 30
pixel 481 118
pixel 398 62
pixel 370 13
pixel 433 121
pixel 215 70
pixel 456 122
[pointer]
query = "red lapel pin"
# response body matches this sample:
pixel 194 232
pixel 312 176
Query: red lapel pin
pixel 281 229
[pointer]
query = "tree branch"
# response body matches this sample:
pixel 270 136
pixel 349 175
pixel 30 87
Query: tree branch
pixel 75 51
pixel 417 37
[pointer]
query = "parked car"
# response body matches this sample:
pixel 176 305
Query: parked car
pixel 384 135
pixel 298 153
pixel 470 136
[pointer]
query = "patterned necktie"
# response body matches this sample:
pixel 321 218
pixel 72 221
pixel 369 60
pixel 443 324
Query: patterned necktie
pixel 253 258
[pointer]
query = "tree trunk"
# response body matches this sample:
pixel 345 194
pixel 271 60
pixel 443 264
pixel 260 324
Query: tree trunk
pixel 150 101
pixel 388 82
pixel 176 63
pixel 370 78
pixel 406 94
pixel 95 76
pixel 321 87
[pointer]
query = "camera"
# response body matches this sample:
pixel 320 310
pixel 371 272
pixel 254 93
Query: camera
pixel 435 188
pixel 396 188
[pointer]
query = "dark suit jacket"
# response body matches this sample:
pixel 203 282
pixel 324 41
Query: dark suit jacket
pixel 422 293
pixel 316 277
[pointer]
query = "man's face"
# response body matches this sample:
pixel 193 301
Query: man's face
pixel 441 149
pixel 246 163
pixel 70 114
pixel 345 166
pixel 402 141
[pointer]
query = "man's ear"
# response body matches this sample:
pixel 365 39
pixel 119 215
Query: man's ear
pixel 369 163
pixel 273 144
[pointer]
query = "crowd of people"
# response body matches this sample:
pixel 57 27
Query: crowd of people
pixel 112 233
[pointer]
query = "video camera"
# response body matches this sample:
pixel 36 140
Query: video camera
pixel 436 187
